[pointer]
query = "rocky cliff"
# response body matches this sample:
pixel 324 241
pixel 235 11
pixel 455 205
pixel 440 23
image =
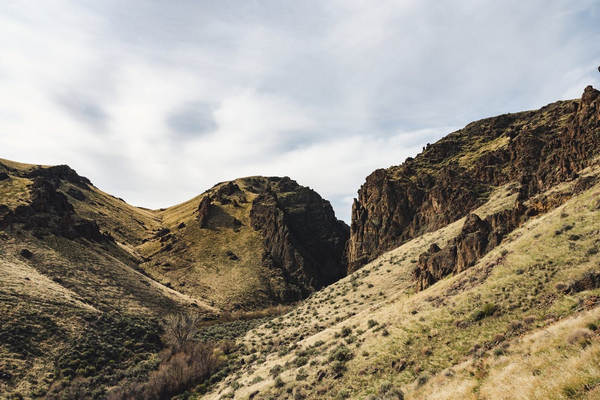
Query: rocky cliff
pixel 536 149
pixel 49 210
pixel 302 237
pixel 249 242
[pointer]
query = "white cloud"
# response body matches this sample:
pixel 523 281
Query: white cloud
pixel 324 92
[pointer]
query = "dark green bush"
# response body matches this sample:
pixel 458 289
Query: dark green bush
pixel 485 311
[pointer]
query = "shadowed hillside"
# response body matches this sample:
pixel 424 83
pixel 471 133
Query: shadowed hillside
pixel 86 278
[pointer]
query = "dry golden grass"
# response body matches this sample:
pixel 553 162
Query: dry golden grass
pixel 200 262
pixel 14 192
pixel 419 337
pixel 20 166
pixel 467 159
pixel 541 365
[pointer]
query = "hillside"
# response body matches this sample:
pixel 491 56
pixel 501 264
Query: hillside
pixel 87 275
pixel 72 300
pixel 536 149
pixel 248 243
pixel 497 300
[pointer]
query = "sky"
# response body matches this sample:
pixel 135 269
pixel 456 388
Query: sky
pixel 156 101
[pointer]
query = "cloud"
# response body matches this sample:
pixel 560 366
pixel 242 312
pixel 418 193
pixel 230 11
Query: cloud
pixel 157 101
pixel 192 119
pixel 83 109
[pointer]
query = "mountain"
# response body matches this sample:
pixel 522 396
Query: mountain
pixel 535 150
pixel 476 276
pixel 86 278
pixel 247 243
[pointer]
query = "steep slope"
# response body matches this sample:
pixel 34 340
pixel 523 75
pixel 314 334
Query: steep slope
pixel 248 243
pixel 497 227
pixel 496 330
pixel 79 308
pixel 536 149
pixel 72 302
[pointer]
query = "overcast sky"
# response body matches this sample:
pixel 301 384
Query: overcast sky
pixel 156 101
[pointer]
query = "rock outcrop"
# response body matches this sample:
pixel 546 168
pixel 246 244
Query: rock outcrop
pixel 302 237
pixel 204 211
pixel 49 210
pixel 249 243
pixel 477 237
pixel 450 178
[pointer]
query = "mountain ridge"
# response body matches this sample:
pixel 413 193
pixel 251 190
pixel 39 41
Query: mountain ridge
pixel 449 178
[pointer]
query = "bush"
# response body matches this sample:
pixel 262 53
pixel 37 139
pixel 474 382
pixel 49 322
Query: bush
pixel 487 310
pixel 345 331
pixel 580 336
pixel 341 353
pixel 181 328
pixel 388 391
pixel 338 367
pixel 275 370
pixel 180 370
pixel 300 361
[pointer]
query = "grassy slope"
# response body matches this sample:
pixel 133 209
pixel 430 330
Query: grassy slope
pixel 431 344
pixel 200 262
pixel 198 265
pixel 48 300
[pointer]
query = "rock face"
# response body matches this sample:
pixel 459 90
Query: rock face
pixel 49 211
pixel 477 237
pixel 302 237
pixel 450 178
pixel 248 243
pixel 204 211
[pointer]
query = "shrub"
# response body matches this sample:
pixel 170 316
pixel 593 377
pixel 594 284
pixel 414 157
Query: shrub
pixel 346 331
pixel 341 353
pixel 388 391
pixel 300 361
pixel 179 371
pixel 279 382
pixel 338 367
pixel 487 310
pixel 275 370
pixel 580 336
pixel 301 375
pixel 181 328
pixel 184 369
pixel 371 323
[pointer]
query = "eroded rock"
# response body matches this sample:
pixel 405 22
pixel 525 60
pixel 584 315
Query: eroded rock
pixel 449 179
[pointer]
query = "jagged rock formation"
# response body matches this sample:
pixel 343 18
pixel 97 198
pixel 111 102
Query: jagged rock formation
pixel 249 242
pixel 450 178
pixel 302 237
pixel 49 210
pixel 477 237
